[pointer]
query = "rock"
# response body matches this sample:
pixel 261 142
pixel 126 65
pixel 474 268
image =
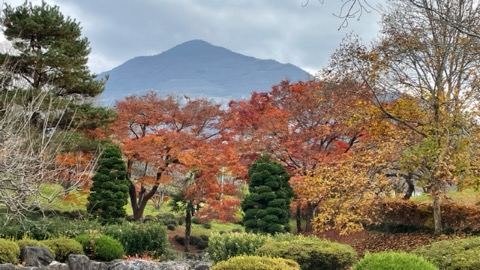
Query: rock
pixel 58 266
pixel 36 256
pixel 98 266
pixel 147 265
pixel 203 266
pixel 78 262
pixel 7 266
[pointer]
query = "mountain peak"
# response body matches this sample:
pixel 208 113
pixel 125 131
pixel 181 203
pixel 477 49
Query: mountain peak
pixel 198 69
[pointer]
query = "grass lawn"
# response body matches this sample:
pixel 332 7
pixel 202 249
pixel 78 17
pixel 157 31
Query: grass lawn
pixel 465 197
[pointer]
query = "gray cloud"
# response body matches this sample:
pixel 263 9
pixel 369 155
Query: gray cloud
pixel 280 30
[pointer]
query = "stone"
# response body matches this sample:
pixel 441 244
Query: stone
pixel 78 262
pixel 58 266
pixel 98 265
pixel 36 256
pixel 148 265
pixel 7 266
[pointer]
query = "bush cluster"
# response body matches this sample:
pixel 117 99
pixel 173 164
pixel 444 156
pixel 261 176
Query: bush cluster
pixel 9 251
pixel 257 263
pixel 308 252
pixel 169 220
pixel 411 215
pixel 138 238
pixel 200 241
pixel 393 261
pixel 101 247
pixel 33 243
pixel 221 247
pixel 311 253
pixel 62 247
pixel 453 254
pixel 46 228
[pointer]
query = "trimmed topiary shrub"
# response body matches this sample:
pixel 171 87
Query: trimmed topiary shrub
pixel 62 247
pixel 267 206
pixel 453 254
pixel 257 263
pixel 101 247
pixel 393 261
pixel 138 238
pixel 311 253
pixel 9 251
pixel 109 192
pixel 221 247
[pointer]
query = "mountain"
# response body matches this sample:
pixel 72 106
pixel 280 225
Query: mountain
pixel 198 69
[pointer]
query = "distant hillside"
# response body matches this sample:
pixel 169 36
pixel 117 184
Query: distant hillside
pixel 198 69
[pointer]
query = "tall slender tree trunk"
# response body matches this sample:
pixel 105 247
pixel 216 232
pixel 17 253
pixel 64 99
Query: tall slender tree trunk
pixel 298 217
pixel 410 186
pixel 188 225
pixel 437 212
pixel 309 216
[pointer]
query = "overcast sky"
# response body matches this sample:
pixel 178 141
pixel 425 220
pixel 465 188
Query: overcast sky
pixel 282 30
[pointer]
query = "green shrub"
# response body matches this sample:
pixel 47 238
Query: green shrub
pixel 200 241
pixel 167 219
pixel 101 247
pixel 138 238
pixel 453 254
pixel 224 246
pixel 62 247
pixel 393 261
pixel 207 225
pixel 257 263
pixel 33 243
pixel 47 228
pixel 9 251
pixel 311 253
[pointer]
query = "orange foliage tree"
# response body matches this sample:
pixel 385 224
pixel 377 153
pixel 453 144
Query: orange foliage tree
pixel 301 124
pixel 160 136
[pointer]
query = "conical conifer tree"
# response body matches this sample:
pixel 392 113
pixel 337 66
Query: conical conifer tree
pixel 267 206
pixel 109 193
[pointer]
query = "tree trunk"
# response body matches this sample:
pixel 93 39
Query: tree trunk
pixel 410 188
pixel 139 204
pixel 188 225
pixel 309 217
pixel 437 214
pixel 298 217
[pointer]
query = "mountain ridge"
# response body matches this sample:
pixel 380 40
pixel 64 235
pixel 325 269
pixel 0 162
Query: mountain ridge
pixel 198 69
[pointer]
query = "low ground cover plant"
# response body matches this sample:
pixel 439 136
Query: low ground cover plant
pixel 101 247
pixel 9 251
pixel 311 253
pixel 63 246
pixel 257 263
pixel 453 254
pixel 391 260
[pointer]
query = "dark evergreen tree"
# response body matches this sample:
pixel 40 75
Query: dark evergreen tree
pixel 109 193
pixel 50 50
pixel 267 206
pixel 51 54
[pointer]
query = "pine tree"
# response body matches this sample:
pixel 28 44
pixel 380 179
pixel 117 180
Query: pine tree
pixel 50 51
pixel 50 54
pixel 267 206
pixel 109 193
